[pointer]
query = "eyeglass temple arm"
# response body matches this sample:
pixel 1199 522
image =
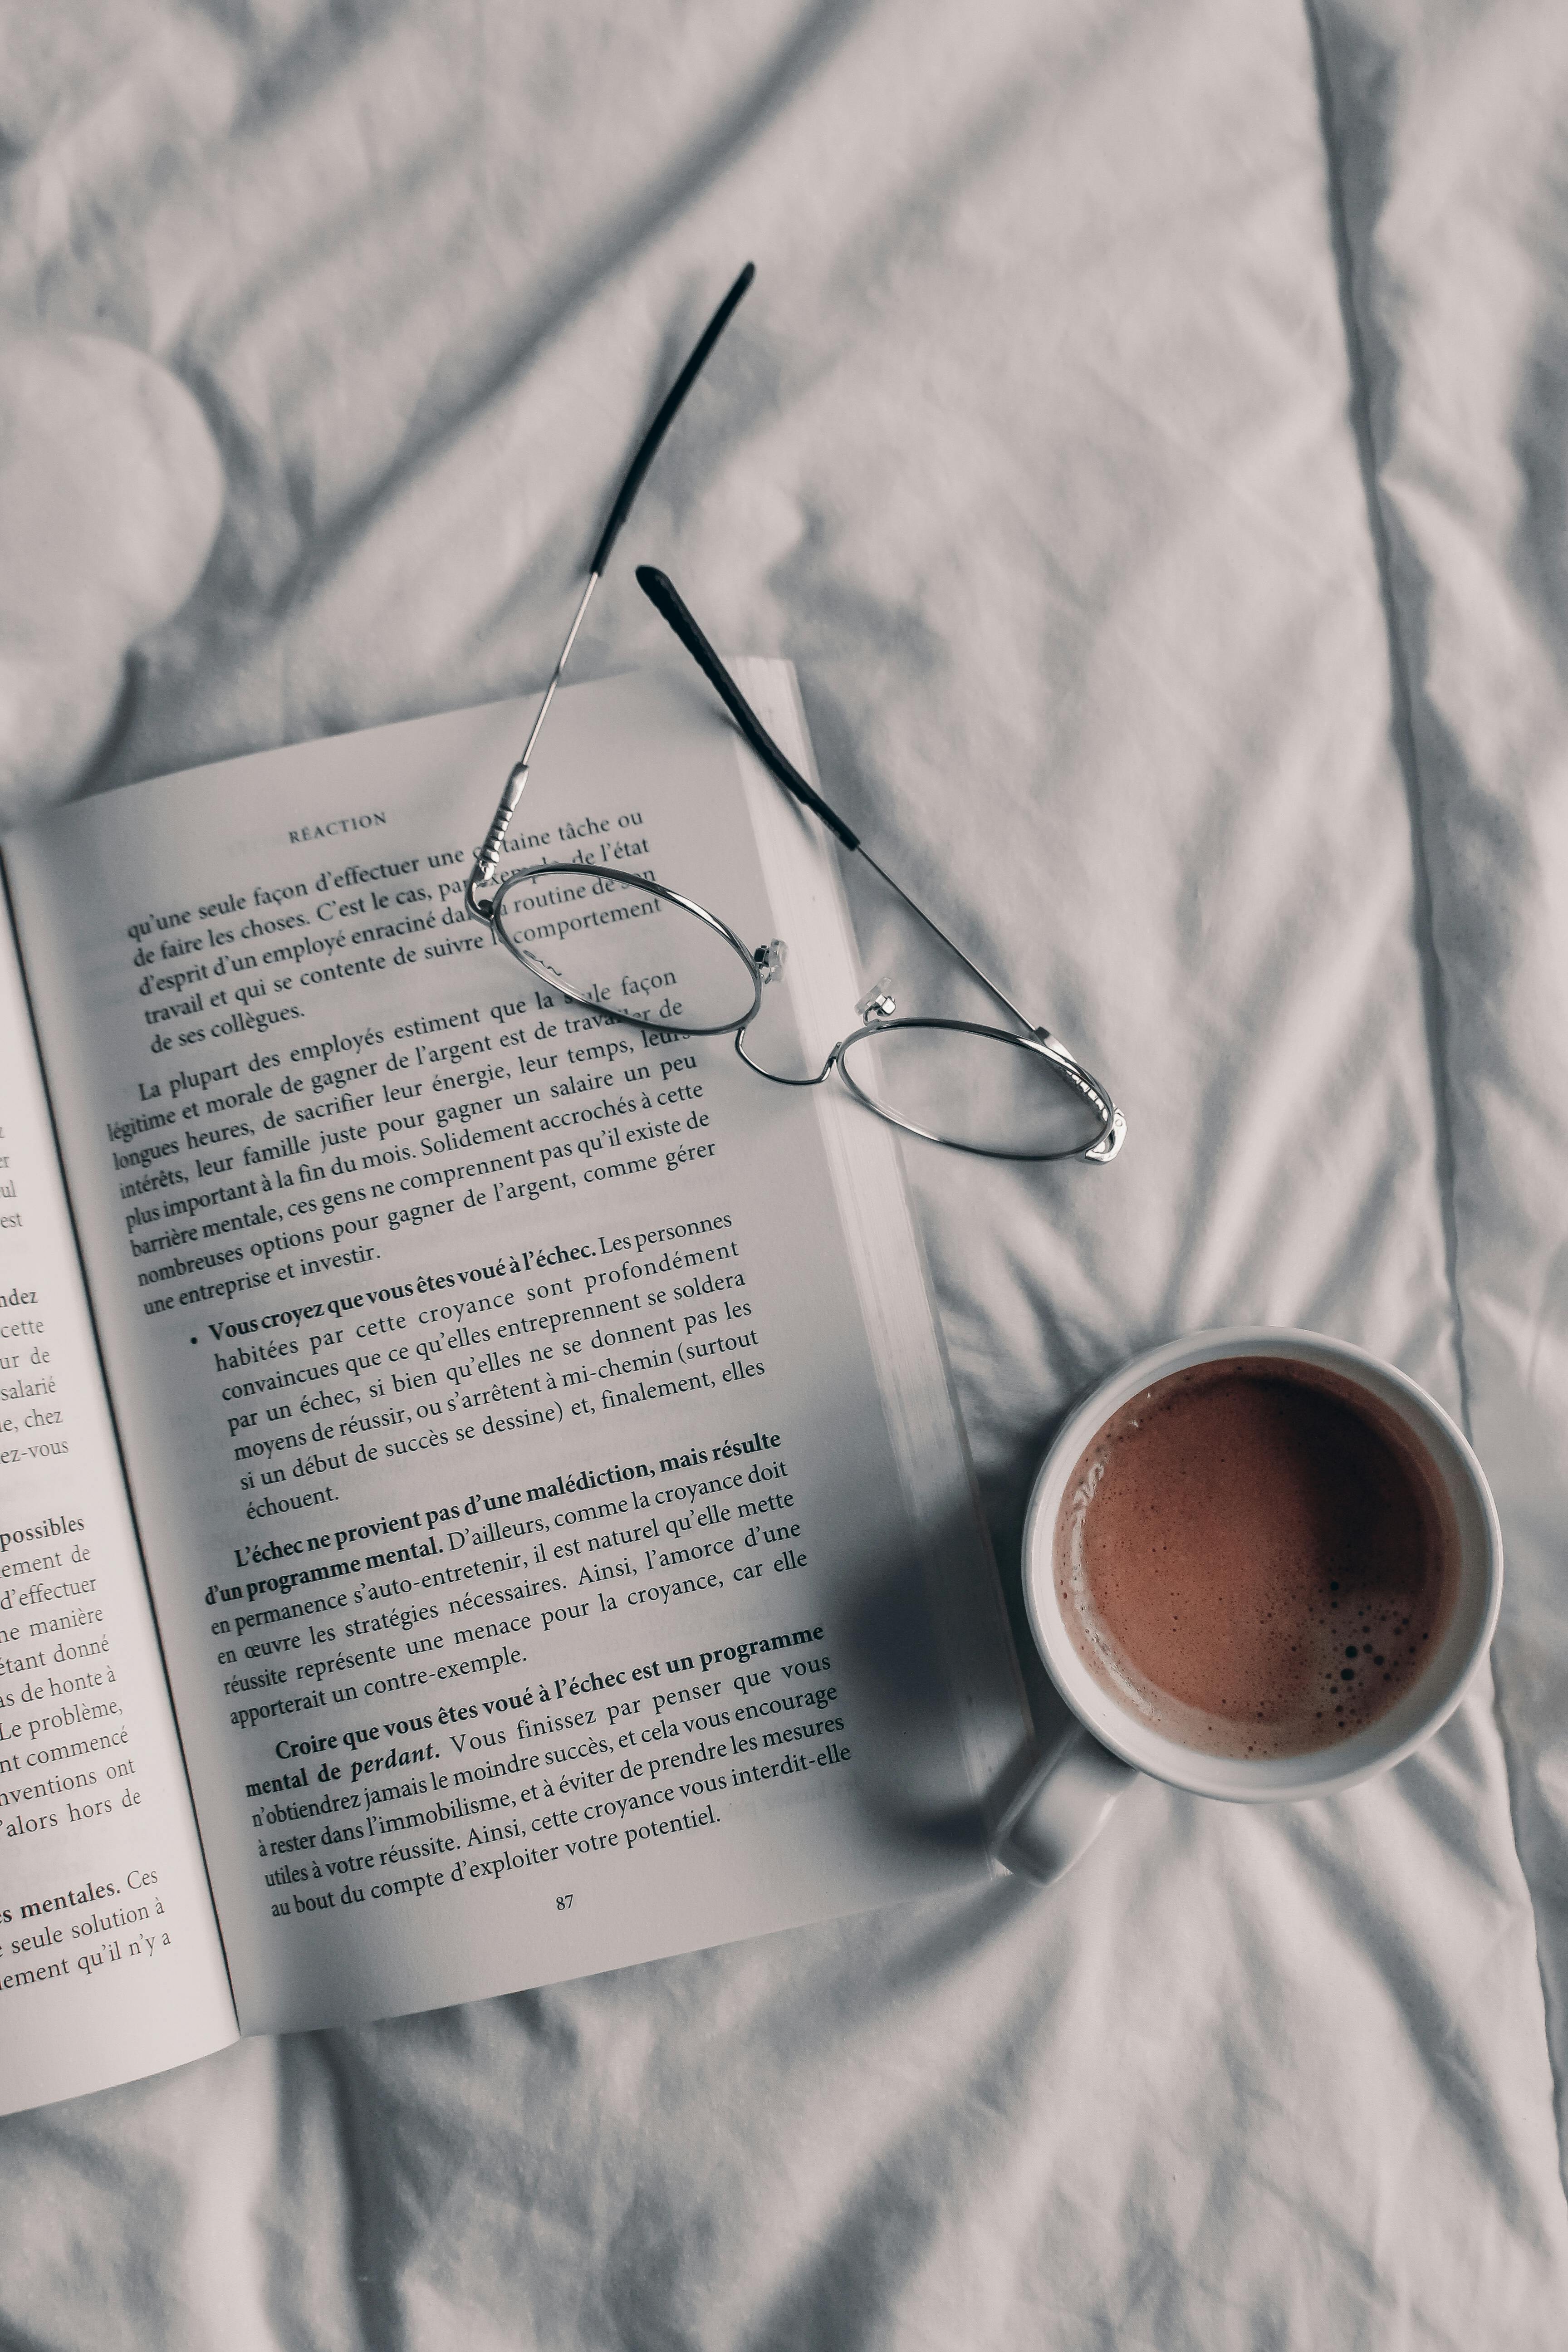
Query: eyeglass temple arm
pixel 488 858
pixel 665 598
pixel 647 448
pixel 662 594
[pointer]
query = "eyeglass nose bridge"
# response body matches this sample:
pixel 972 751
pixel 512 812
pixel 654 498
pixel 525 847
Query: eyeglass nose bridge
pixel 775 1077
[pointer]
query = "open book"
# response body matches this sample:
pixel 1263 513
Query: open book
pixel 480 1500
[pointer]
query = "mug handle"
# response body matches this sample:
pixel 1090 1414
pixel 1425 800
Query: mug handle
pixel 1061 1807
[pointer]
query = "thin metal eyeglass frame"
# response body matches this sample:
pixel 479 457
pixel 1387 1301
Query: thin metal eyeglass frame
pixel 1110 1119
pixel 755 965
pixel 488 862
pixel 758 965
pixel 662 594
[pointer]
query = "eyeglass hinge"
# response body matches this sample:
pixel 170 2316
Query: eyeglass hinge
pixel 1101 1153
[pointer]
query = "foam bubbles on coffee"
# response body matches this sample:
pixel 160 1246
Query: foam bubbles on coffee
pixel 1255 1558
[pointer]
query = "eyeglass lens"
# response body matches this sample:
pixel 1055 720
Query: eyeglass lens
pixel 977 1088
pixel 637 954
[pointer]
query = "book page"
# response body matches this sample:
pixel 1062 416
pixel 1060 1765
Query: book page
pixel 111 1965
pixel 542 1577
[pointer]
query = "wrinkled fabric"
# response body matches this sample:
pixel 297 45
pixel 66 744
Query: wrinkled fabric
pixel 1148 436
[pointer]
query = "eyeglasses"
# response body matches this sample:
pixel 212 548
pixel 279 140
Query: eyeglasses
pixel 1003 1094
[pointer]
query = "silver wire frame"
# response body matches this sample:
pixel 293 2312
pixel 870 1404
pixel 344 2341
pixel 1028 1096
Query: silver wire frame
pixel 532 960
pixel 1111 1126
pixel 759 966
pixel 486 901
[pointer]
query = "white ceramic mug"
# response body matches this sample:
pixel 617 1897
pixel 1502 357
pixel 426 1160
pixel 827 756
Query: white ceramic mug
pixel 1066 1798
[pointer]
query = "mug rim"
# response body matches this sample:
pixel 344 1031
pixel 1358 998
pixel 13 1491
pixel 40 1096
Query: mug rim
pixel 1389 1737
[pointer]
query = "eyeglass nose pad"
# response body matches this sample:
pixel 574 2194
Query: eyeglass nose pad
pixel 770 959
pixel 877 1004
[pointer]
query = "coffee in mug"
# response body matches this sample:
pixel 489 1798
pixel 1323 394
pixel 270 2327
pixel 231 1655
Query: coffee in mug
pixel 1254 1557
pixel 1260 1565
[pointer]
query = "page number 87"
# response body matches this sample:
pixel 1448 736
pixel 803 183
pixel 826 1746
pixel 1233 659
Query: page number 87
pixel 563 1903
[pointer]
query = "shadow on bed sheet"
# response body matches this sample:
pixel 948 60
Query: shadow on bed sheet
pixel 916 1782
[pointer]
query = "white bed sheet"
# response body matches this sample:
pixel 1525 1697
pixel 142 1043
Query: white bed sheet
pixel 1149 436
